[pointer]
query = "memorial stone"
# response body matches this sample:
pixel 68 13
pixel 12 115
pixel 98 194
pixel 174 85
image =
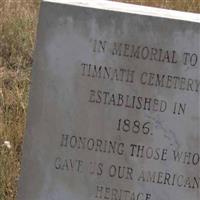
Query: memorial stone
pixel 114 104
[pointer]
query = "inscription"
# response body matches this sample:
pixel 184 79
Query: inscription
pixel 130 135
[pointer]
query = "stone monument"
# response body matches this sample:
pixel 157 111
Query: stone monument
pixel 114 104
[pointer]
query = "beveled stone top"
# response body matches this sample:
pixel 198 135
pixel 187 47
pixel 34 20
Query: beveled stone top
pixel 131 8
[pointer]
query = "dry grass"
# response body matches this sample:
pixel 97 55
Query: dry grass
pixel 17 33
pixel 18 19
pixel 182 5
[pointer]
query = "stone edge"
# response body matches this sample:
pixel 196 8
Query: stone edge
pixel 131 8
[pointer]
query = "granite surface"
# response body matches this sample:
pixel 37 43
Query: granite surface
pixel 114 107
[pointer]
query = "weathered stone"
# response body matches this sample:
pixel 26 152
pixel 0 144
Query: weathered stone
pixel 114 104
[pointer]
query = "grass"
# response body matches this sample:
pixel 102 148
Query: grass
pixel 182 5
pixel 18 20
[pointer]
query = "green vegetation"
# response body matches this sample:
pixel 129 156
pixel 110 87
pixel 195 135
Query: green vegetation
pixel 18 20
